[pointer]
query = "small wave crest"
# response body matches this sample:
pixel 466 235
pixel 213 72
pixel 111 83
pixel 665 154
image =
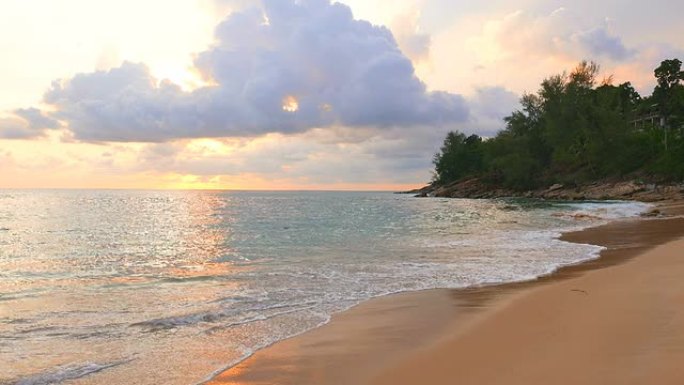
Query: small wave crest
pixel 66 373
pixel 607 210
pixel 226 318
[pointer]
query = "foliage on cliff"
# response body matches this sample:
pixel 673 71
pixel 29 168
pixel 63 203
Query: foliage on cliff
pixel 573 131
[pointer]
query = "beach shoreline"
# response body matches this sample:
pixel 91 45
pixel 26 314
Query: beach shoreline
pixel 383 337
pixel 611 323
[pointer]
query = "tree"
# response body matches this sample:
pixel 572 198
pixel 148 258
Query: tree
pixel 576 130
pixel 669 91
pixel 669 74
pixel 584 75
pixel 459 156
pixel 669 95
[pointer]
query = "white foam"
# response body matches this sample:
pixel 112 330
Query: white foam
pixel 610 210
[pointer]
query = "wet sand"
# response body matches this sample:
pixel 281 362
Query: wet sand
pixel 615 320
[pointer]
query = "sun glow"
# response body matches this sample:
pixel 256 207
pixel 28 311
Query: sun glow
pixel 192 182
pixel 207 146
pixel 290 104
pixel 185 77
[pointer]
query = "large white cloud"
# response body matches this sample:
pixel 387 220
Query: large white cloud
pixel 311 54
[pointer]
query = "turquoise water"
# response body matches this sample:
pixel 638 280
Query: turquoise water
pixel 151 286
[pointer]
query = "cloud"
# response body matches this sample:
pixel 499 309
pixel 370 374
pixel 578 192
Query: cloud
pixel 300 157
pixel 412 41
pixel 519 49
pixel 489 106
pixel 14 128
pixel 36 119
pixel 26 123
pixel 598 42
pixel 306 64
pixel 363 155
pixel 561 32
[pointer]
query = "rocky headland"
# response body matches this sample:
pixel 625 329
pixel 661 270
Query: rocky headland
pixel 476 188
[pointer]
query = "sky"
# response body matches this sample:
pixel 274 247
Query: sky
pixel 288 94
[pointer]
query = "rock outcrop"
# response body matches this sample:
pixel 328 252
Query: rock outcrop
pixel 475 188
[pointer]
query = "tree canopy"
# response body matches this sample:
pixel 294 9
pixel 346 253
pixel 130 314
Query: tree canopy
pixel 577 129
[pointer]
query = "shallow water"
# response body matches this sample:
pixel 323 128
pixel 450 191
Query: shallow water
pixel 169 287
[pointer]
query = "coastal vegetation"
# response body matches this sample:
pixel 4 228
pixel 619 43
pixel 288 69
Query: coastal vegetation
pixel 575 130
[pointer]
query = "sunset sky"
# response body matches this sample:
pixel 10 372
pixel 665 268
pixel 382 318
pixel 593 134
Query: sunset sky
pixel 288 94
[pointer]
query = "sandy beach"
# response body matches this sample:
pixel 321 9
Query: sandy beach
pixel 615 320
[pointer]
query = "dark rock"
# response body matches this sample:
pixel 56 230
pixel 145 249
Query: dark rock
pixel 476 188
pixel 652 214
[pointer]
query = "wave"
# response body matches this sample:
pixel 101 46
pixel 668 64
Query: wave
pixel 218 316
pixel 66 373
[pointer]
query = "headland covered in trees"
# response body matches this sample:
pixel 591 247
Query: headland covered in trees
pixel 576 138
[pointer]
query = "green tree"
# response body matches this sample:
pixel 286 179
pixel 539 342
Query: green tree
pixel 575 131
pixel 669 97
pixel 669 74
pixel 669 93
pixel 460 156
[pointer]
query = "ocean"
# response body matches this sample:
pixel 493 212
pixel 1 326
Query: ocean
pixel 173 286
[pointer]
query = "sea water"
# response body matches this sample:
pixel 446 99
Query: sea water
pixel 173 286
